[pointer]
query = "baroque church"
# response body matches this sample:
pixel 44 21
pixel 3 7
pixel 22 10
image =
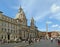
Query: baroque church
pixel 15 28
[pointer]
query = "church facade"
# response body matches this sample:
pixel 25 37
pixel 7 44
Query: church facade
pixel 15 28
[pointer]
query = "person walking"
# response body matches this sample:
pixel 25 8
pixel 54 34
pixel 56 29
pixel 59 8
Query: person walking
pixel 58 41
pixel 29 41
pixel 51 39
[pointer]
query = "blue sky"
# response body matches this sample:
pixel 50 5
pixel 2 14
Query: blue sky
pixel 43 11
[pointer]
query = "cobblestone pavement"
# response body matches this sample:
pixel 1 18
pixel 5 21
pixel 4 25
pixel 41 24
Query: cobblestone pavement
pixel 45 43
pixel 13 44
pixel 42 43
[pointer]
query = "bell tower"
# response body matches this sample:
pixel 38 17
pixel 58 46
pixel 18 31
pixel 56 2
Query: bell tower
pixel 32 22
pixel 21 17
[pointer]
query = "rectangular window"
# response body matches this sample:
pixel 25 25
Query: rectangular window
pixel 5 29
pixel 2 29
pixel 3 23
pixel 5 36
pixel 0 23
pixel 11 31
pixel 0 16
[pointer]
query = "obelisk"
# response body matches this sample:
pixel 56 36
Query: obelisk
pixel 47 36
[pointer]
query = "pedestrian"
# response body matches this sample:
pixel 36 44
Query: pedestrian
pixel 58 41
pixel 51 39
pixel 29 41
pixel 35 39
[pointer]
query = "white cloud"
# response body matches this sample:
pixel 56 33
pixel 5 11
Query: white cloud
pixel 56 25
pixel 55 12
pixel 41 16
pixel 49 22
pixel 55 16
pixel 30 6
pixel 55 8
pixel 59 26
